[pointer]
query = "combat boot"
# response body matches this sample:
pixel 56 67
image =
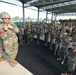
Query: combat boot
pixel 55 53
pixel 37 42
pixel 51 48
pixel 28 42
pixel 62 62
pixel 46 44
pixel 58 58
pixel 21 43
pixel 2 58
pixel 13 63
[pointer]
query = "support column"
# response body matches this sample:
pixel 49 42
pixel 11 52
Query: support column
pixel 55 17
pixel 46 16
pixel 52 17
pixel 23 10
pixel 38 16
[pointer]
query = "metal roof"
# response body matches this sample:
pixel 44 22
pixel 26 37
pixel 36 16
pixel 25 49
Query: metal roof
pixel 55 6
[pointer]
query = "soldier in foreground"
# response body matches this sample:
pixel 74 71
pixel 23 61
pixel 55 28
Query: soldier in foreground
pixel 8 32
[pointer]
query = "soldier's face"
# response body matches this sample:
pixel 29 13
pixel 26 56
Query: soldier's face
pixel 60 35
pixel 74 48
pixel 6 20
pixel 66 40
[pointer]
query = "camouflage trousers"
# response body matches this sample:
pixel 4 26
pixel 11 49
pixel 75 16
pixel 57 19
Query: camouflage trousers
pixel 11 48
pixel 57 48
pixel 46 37
pixel 28 37
pixel 74 38
pixel 71 66
pixel 38 37
pixel 1 48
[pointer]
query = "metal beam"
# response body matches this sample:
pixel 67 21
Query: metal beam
pixel 67 8
pixel 10 3
pixel 62 7
pixel 49 3
pixel 24 1
pixel 64 11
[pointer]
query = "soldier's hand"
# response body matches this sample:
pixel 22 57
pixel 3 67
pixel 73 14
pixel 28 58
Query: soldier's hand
pixel 10 26
pixel 5 27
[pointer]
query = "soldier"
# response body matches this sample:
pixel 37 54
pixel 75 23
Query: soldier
pixel 8 32
pixel 22 32
pixel 38 32
pixel 63 28
pixel 70 30
pixel 67 28
pixel 52 37
pixel 74 35
pixel 70 60
pixel 58 42
pixel 33 29
pixel 25 32
pixel 28 33
pixel 59 27
pixel 20 38
pixel 64 48
pixel 46 28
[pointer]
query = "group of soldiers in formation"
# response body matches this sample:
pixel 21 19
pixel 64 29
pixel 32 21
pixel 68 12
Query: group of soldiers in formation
pixel 62 35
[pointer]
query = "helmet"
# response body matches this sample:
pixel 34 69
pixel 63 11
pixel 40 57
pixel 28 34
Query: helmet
pixel 4 15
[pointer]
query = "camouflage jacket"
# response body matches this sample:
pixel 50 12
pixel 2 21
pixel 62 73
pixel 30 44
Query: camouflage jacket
pixel 71 55
pixel 39 29
pixel 10 33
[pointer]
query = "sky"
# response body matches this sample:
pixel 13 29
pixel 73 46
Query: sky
pixel 17 11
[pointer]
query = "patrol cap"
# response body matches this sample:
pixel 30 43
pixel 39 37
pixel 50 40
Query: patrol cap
pixel 74 44
pixel 4 15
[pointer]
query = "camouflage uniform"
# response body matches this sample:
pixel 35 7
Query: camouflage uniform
pixel 70 60
pixel 28 33
pixel 46 33
pixel 64 48
pixel 25 33
pixel 38 32
pixel 20 38
pixel 1 47
pixel 58 42
pixel 33 29
pixel 74 35
pixel 10 40
pixel 52 37
pixel 52 34
pixel 63 30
